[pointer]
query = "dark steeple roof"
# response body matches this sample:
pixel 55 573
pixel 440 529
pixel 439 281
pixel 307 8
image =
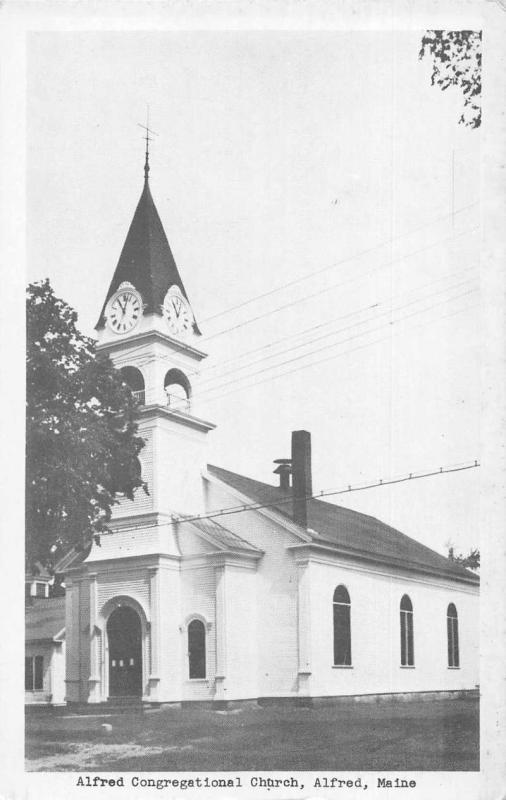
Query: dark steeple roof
pixel 146 260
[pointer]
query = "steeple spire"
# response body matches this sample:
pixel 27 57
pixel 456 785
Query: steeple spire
pixel 146 260
pixel 146 162
pixel 148 139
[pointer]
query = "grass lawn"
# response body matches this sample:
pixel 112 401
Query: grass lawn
pixel 416 735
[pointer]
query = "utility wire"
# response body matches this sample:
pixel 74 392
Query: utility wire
pixel 324 336
pixel 297 335
pixel 337 263
pixel 330 358
pixel 328 288
pixel 322 349
pixel 408 255
pixel 177 519
pixel 307 343
pixel 285 499
pixel 333 286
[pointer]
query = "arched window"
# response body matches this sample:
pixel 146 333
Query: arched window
pixel 177 390
pixel 407 644
pixel 133 378
pixel 342 627
pixel 452 627
pixel 197 649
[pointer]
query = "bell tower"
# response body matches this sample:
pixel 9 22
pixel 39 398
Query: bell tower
pixel 148 328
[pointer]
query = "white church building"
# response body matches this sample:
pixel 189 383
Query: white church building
pixel 291 597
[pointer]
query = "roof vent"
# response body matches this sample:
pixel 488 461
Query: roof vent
pixel 284 470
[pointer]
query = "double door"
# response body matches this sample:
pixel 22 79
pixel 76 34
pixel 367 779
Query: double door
pixel 124 634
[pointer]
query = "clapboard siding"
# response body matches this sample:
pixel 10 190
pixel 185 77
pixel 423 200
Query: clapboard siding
pixel 133 583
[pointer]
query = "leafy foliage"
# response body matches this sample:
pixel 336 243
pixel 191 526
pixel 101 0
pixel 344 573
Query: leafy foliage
pixel 471 561
pixel 81 432
pixel 456 61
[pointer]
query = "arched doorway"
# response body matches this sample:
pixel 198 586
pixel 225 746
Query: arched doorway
pixel 124 634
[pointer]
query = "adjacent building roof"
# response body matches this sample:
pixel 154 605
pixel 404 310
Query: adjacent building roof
pixel 45 619
pixel 146 260
pixel 351 532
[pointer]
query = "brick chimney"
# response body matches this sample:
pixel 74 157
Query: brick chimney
pixel 301 475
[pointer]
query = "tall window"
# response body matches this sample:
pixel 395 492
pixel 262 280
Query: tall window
pixel 407 646
pixel 342 627
pixel 452 627
pixel 33 673
pixel 197 649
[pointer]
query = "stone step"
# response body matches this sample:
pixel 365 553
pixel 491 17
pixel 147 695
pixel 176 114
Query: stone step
pixel 115 705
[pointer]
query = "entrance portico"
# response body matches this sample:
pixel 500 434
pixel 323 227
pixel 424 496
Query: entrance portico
pixel 123 659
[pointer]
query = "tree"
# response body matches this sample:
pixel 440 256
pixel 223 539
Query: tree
pixel 456 61
pixel 81 433
pixel 471 561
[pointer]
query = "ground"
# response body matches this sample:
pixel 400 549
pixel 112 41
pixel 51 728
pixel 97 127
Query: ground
pixel 417 735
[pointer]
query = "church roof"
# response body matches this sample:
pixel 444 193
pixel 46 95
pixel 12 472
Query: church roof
pixel 146 260
pixel 45 619
pixel 222 537
pixel 351 532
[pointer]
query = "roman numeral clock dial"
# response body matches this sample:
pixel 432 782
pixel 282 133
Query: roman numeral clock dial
pixel 124 311
pixel 177 313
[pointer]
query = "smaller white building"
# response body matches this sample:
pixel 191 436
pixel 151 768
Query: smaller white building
pixel 45 651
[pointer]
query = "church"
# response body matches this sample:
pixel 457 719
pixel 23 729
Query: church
pixel 217 587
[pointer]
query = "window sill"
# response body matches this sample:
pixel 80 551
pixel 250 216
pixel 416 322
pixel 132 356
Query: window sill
pixel 197 680
pixel 342 666
pixel 408 666
pixel 453 667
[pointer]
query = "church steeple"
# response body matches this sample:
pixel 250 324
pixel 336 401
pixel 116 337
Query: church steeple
pixel 147 328
pixel 146 261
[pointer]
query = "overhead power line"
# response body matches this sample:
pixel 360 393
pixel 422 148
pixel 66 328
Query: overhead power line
pixel 382 266
pixel 294 336
pixel 332 286
pixel 330 358
pixel 386 324
pixel 351 279
pixel 334 264
pixel 329 334
pixel 389 323
pixel 286 499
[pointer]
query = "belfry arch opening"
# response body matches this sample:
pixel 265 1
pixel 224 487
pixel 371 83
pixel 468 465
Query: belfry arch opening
pixel 124 637
pixel 177 390
pixel 135 381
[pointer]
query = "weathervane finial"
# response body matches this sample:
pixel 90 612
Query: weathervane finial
pixel 148 139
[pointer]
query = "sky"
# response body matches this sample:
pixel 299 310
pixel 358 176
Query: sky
pixel 318 182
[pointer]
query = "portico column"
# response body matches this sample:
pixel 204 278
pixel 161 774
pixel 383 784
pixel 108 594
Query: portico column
pixel 95 671
pixel 154 598
pixel 304 626
pixel 221 633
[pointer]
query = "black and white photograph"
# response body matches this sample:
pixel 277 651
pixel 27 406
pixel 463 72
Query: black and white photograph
pixel 254 465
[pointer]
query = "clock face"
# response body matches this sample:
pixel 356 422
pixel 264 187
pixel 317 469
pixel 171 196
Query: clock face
pixel 177 313
pixel 124 312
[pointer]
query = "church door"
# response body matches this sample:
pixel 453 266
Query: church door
pixel 125 652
